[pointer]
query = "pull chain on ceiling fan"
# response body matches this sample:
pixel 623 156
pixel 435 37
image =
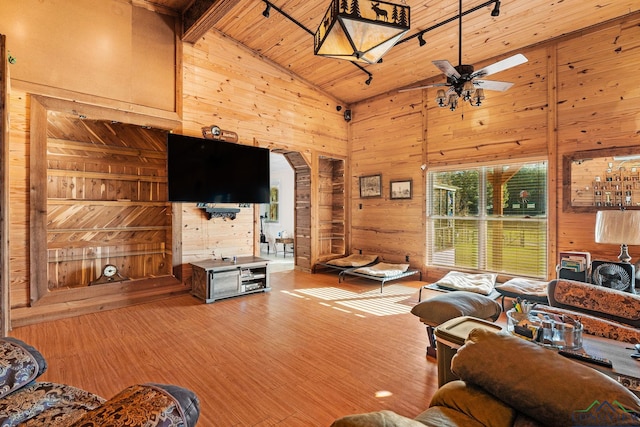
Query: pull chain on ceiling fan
pixel 463 82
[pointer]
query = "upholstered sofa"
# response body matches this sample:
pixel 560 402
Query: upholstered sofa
pixel 27 402
pixel 508 381
pixel 604 312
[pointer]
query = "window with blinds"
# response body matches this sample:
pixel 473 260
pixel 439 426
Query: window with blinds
pixel 489 218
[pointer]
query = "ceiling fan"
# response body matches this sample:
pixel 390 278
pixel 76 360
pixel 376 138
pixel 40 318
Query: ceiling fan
pixel 465 83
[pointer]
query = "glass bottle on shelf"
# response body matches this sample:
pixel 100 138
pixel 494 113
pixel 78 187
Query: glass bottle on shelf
pixel 609 174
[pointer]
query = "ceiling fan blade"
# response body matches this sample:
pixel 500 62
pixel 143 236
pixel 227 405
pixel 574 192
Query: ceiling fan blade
pixel 446 67
pixel 512 61
pixel 422 87
pixel 492 85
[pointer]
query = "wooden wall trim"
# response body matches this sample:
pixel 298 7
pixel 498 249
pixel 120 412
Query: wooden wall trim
pixel 552 155
pixel 95 107
pixel 5 308
pixel 313 199
pixel 202 15
pixel 176 239
pixel 38 201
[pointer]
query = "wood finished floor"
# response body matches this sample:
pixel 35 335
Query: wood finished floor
pixel 304 354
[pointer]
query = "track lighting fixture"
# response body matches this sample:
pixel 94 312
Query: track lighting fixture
pixel 421 40
pixel 266 10
pixel 496 9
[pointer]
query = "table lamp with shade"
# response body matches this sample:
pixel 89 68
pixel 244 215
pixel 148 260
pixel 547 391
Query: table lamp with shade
pixel 620 227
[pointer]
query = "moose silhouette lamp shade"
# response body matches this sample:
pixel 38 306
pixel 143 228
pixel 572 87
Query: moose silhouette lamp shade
pixel 361 30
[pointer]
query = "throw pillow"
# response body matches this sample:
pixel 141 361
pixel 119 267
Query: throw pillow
pixel 441 308
pixel 20 364
pixel 353 260
pixel 481 283
pixel 524 287
pixel 383 269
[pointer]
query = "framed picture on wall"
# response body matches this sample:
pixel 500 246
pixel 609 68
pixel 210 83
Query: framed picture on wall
pixel 401 189
pixel 274 198
pixel 371 186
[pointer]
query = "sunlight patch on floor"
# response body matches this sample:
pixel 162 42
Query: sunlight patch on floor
pixel 388 290
pixel 371 302
pixel 378 306
pixel 329 294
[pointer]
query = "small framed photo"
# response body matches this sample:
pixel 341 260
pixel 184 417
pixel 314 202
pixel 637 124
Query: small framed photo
pixel 401 189
pixel 371 186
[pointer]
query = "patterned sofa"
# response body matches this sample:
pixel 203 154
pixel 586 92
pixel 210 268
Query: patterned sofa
pixel 602 311
pixel 26 402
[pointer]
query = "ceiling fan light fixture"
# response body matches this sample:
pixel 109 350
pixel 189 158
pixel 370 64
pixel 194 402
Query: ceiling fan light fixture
pixel 361 31
pixel 453 102
pixel 441 98
pixel 477 98
pixel 467 90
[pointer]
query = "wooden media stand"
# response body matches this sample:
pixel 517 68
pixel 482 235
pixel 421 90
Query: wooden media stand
pixel 217 279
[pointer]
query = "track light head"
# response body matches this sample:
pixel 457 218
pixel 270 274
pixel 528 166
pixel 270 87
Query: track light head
pixel 421 40
pixel 496 9
pixel 267 10
pixel 368 81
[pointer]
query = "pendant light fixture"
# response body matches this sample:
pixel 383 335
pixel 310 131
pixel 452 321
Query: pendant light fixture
pixel 361 31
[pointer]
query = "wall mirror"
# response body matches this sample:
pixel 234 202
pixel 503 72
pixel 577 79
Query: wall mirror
pixel 607 178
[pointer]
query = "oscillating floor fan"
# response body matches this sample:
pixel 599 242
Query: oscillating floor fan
pixel 614 275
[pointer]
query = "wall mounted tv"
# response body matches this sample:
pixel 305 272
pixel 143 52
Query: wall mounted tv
pixel 210 171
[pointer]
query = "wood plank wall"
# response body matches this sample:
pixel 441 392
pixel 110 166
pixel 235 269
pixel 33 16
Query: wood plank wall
pixel 387 139
pixel 5 312
pixel 106 185
pixel 227 85
pixel 274 111
pixel 596 107
pixel 598 104
pixel 236 89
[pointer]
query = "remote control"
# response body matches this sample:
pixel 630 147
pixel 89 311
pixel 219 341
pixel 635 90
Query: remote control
pixel 586 357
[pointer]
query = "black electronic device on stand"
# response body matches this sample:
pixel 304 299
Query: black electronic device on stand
pixel 263 238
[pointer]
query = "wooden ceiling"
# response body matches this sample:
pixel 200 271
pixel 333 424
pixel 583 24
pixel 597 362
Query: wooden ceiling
pixel 486 38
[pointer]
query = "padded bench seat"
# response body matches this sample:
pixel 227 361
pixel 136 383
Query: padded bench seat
pixel 527 289
pixel 382 272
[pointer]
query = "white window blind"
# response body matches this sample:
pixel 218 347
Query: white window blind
pixel 489 218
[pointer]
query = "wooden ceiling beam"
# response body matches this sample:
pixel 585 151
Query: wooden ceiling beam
pixel 202 15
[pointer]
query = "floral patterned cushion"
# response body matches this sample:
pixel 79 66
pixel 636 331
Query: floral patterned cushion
pixel 20 364
pixel 623 307
pixel 147 405
pixel 46 404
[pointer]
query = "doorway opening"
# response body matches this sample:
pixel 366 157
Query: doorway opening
pixel 277 218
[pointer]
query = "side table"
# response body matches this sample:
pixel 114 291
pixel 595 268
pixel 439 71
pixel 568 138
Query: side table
pixel 625 370
pixel 284 241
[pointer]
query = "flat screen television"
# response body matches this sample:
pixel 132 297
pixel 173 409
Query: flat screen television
pixel 209 171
